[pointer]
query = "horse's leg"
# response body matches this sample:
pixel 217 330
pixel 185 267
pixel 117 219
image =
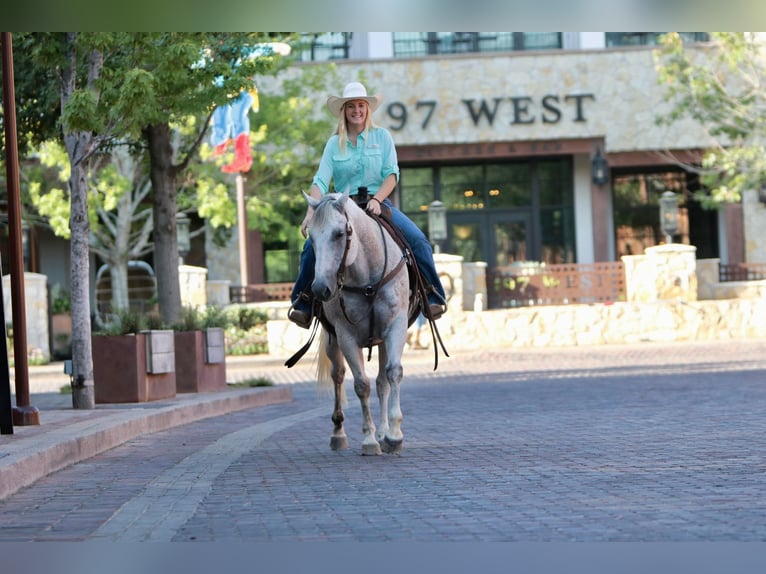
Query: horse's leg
pixel 394 439
pixel 338 441
pixel 384 390
pixel 355 360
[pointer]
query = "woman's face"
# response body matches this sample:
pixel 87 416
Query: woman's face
pixel 356 114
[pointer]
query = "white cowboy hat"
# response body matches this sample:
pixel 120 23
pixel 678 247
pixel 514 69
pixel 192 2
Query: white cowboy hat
pixel 353 91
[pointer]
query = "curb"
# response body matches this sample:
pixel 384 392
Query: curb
pixel 32 458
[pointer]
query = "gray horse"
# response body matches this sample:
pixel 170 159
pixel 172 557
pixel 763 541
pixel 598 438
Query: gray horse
pixel 362 283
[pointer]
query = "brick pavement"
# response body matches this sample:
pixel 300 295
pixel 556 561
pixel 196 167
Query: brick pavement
pixel 633 443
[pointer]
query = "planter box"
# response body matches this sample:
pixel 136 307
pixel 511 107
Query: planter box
pixel 134 368
pixel 200 361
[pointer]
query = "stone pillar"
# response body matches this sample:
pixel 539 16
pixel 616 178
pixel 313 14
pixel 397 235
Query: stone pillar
pixel 474 285
pixel 193 284
pixel 450 270
pixel 664 272
pixel 36 303
pixel 707 278
pixel 218 292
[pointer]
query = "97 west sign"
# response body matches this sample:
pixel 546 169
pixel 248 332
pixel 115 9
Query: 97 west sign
pixel 514 110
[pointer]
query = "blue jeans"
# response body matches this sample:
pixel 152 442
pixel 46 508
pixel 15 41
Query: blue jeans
pixel 421 249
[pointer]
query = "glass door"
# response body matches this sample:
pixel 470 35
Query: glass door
pixel 498 239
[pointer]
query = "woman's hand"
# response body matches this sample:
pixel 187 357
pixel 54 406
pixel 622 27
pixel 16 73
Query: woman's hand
pixel 306 221
pixel 373 206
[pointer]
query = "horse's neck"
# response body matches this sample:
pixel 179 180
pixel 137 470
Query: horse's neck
pixel 371 256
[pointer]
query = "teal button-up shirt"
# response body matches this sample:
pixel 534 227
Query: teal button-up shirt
pixel 367 163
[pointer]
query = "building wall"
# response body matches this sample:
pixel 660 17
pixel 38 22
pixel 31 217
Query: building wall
pixel 618 91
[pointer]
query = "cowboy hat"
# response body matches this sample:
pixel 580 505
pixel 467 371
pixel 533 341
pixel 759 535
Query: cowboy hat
pixel 353 91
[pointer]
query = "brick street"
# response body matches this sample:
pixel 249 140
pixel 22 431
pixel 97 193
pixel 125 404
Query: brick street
pixel 646 442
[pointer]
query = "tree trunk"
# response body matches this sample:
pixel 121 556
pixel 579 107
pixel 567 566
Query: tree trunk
pixel 118 274
pixel 163 176
pixel 78 146
pixel 82 353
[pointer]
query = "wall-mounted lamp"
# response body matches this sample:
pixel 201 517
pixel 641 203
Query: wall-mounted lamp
pixel 182 236
pixel 599 169
pixel 669 215
pixel 437 224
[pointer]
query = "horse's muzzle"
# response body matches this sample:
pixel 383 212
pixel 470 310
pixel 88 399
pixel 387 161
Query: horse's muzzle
pixel 322 291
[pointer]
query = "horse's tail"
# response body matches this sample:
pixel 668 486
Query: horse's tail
pixel 325 385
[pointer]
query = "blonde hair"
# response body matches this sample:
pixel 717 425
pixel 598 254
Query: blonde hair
pixel 342 129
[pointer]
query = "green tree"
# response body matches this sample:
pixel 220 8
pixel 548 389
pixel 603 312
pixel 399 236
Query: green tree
pixel 723 88
pixel 170 77
pixel 129 87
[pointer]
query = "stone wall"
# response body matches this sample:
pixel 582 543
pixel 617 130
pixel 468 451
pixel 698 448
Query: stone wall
pixel 668 300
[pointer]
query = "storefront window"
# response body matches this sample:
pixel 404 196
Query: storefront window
pixel 462 187
pixel 637 210
pixel 501 213
pixel 509 185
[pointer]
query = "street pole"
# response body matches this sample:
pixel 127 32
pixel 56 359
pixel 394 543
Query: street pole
pixel 24 413
pixel 242 225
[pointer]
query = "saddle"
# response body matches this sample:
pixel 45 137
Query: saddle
pixel 419 288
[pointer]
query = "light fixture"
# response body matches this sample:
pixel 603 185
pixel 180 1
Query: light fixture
pixel 669 215
pixel 599 169
pixel 437 224
pixel 182 236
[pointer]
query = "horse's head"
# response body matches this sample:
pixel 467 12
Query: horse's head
pixel 330 232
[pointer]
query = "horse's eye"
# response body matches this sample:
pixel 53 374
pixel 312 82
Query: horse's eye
pixel 339 234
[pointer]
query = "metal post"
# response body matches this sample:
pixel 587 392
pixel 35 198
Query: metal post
pixel 24 413
pixel 6 408
pixel 242 225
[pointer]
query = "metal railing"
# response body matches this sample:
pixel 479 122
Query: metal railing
pixel 741 272
pixel 519 285
pixel 260 292
pixel 528 284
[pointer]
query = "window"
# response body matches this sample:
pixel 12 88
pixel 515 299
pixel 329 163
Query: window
pixel 408 44
pixel 498 212
pixel 322 47
pixel 637 209
pixel 614 39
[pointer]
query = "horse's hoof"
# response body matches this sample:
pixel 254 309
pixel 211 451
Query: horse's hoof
pixel 338 443
pixel 371 449
pixel 392 446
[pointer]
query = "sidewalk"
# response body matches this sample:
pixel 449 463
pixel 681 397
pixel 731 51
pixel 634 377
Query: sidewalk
pixel 66 436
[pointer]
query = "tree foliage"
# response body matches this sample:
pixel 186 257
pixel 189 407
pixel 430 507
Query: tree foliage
pixel 723 88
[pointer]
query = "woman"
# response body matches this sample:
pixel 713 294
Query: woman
pixel 360 154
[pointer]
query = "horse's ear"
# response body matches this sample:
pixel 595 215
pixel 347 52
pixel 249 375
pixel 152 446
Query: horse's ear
pixel 342 199
pixel 310 200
